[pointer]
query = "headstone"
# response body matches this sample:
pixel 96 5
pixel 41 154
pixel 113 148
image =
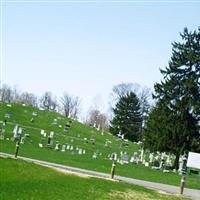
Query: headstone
pixel 67 127
pixel 71 148
pixel 113 156
pixel 80 151
pixel 42 132
pixel 106 144
pixel 55 122
pixel 141 155
pixel 86 140
pixel 51 134
pixel 15 132
pixel 2 133
pixel 151 158
pixel 7 115
pixel 22 140
pixel 1 137
pixel 20 131
pixel 93 141
pixel 94 156
pixel 40 145
pixel 57 146
pixel 49 140
pixel 34 114
pixel 63 148
pixel 124 159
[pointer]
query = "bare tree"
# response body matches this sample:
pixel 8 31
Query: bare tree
pixel 15 94
pixel 103 121
pixel 71 105
pixel 48 101
pixel 97 119
pixel 93 117
pixel 6 94
pixel 122 89
pixel 28 98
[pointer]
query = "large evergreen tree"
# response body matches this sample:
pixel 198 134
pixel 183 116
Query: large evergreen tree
pixel 174 124
pixel 127 117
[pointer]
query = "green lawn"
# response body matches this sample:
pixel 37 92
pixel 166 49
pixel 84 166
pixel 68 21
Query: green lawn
pixel 22 180
pixel 75 137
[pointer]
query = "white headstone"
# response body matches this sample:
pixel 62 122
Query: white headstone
pixel 80 152
pixel 42 132
pixel 40 145
pixel 71 148
pixel 15 135
pixel 20 131
pixel 57 147
pixel 151 157
pixel 63 148
pixel 51 134
pixel 94 156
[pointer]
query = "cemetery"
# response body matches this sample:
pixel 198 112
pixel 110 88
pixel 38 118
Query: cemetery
pixel 49 136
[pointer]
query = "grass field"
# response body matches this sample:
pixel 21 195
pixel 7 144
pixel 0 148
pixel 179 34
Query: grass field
pixel 22 181
pixel 75 136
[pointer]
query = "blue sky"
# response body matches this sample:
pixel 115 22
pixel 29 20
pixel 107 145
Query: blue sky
pixel 86 48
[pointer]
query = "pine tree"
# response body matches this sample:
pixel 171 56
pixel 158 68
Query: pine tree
pixel 127 117
pixel 176 119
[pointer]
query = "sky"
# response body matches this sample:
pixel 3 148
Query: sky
pixel 85 48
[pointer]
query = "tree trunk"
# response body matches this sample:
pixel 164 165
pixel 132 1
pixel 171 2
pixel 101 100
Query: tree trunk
pixel 176 162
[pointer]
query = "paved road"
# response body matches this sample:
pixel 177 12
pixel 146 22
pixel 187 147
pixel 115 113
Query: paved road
pixel 192 193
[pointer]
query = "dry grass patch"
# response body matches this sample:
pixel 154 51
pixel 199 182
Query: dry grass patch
pixel 130 195
pixel 134 195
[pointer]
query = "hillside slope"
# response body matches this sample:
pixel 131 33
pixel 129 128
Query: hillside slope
pixel 87 147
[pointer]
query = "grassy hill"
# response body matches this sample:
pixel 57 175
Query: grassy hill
pixel 21 180
pixel 75 137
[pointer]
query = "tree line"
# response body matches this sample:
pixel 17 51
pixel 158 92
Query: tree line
pixel 68 105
